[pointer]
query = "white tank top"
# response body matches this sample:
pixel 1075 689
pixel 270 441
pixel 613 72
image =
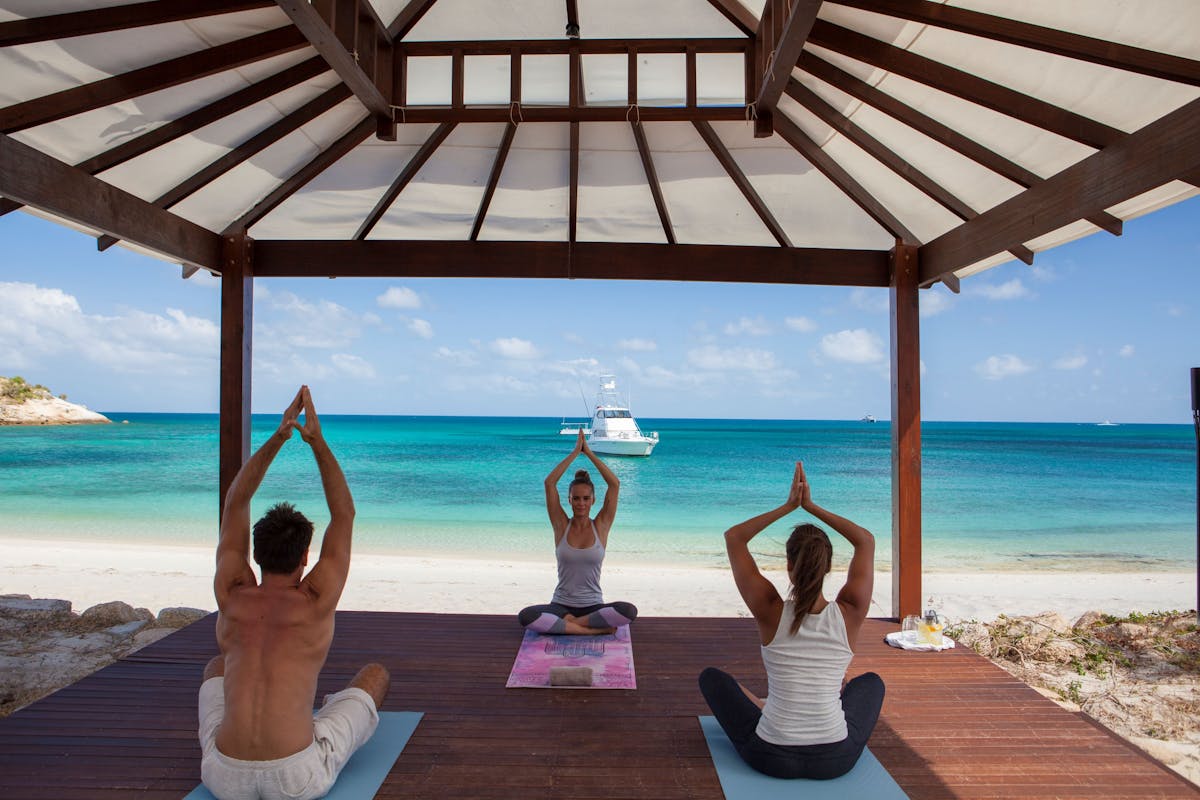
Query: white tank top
pixel 804 679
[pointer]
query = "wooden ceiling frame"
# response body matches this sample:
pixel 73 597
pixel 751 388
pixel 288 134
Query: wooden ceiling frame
pixel 727 161
pixel 246 150
pixel 782 50
pixel 660 203
pixel 114 18
pixel 154 78
pixel 408 17
pixel 404 178
pixel 510 132
pixel 357 46
pixel 1151 157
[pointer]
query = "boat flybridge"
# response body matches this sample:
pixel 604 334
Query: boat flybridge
pixel 614 431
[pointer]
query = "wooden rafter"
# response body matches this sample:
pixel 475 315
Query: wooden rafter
pixel 790 132
pixel 409 16
pixel 573 183
pixel 738 14
pixel 977 90
pixel 599 260
pixel 1049 40
pixel 886 156
pixel 156 77
pixel 785 49
pixel 406 175
pixel 735 173
pixel 329 156
pixel 559 47
pixel 246 150
pixel 494 179
pixel 660 203
pixel 31 177
pixel 564 113
pixel 935 130
pixel 1157 154
pixel 102 20
pixel 366 68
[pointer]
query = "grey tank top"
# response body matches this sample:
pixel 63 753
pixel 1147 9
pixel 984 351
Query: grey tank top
pixel 579 572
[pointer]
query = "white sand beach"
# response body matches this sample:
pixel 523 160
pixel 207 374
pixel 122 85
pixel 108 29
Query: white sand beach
pixel 155 577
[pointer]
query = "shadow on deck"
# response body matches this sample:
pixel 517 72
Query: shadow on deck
pixel 953 724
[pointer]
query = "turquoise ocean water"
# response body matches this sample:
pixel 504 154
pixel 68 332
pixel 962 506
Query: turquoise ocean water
pixel 1043 496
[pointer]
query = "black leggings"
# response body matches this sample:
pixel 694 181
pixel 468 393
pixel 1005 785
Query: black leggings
pixel 737 714
pixel 548 618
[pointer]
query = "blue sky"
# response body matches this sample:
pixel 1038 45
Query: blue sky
pixel 1102 328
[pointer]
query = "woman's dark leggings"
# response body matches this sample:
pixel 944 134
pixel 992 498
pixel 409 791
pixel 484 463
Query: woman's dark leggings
pixel 862 698
pixel 548 618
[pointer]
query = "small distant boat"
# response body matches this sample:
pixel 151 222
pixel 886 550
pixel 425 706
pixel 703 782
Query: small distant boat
pixel 868 418
pixel 573 428
pixel 614 431
pixel 1107 424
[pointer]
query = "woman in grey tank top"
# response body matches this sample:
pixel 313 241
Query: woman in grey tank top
pixel 579 544
pixel 808 725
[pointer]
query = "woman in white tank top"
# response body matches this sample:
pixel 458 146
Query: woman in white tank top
pixel 808 726
pixel 579 546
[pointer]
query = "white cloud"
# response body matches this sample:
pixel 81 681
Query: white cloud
pixel 731 358
pixel 421 328
pixel 873 300
pixel 399 297
pixel 300 323
pixel 801 324
pixel 639 345
pixel 514 348
pixel 858 346
pixel 751 327
pixel 934 302
pixel 1071 362
pixel 1126 351
pixel 461 358
pixel 995 368
pixel 352 365
pixel 1010 290
pixel 37 321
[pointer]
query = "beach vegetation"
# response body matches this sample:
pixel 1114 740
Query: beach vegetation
pixel 1071 693
pixel 17 390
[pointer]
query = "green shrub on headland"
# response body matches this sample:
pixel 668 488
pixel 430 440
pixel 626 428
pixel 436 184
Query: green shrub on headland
pixel 17 390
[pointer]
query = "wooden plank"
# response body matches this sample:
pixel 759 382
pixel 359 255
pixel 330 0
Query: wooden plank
pixel 660 203
pixel 564 47
pixel 726 160
pixel 33 178
pixel 493 179
pixel 101 20
pixel 597 260
pixel 407 174
pixel 785 52
pixel 237 326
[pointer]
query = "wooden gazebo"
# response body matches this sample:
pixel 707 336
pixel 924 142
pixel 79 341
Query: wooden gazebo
pixel 895 143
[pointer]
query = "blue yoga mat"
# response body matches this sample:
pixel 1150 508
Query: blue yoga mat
pixel 740 782
pixel 364 772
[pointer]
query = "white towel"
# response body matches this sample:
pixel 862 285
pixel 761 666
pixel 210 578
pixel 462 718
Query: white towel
pixel 898 639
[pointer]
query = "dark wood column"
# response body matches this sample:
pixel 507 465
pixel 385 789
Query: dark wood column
pixel 237 316
pixel 906 432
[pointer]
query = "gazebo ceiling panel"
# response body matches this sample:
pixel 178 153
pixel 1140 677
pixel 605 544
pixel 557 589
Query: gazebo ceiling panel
pixel 442 198
pixel 220 202
pixel 1165 195
pixel 532 198
pixel 615 201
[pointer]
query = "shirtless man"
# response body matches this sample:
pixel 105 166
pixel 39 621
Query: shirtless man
pixel 258 732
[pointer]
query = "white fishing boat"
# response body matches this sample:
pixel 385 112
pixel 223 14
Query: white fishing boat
pixel 573 428
pixel 868 418
pixel 614 431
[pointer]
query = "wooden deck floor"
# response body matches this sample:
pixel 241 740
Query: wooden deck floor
pixel 953 724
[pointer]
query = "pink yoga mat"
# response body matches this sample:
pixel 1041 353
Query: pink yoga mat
pixel 610 658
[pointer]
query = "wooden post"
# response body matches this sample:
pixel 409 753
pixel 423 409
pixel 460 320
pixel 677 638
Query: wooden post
pixel 237 315
pixel 906 431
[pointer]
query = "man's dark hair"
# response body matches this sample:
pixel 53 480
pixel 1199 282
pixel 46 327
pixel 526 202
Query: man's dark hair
pixel 281 538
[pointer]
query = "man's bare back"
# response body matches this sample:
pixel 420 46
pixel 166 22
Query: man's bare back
pixel 274 635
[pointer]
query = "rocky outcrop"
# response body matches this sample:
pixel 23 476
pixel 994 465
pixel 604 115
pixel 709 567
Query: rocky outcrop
pixel 44 645
pixel 23 403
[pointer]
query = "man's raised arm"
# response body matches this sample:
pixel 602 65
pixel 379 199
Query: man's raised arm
pixel 233 548
pixel 328 577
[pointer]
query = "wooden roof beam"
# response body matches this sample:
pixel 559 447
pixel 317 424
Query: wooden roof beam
pixel 102 20
pixel 961 84
pixel 1157 154
pixel 356 46
pixel 944 134
pixel 783 48
pixel 565 47
pixel 409 16
pixel 586 260
pixel 742 17
pixel 660 203
pixel 743 183
pixel 31 177
pixel 330 155
pixel 1035 37
pixel 156 77
pixel 790 132
pixel 246 150
pixel 406 175
pixel 886 156
pixel 494 179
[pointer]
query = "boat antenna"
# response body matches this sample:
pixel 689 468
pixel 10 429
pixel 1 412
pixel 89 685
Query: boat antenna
pixel 587 411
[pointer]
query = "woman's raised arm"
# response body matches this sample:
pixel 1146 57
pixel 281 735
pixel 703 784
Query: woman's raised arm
pixel 558 517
